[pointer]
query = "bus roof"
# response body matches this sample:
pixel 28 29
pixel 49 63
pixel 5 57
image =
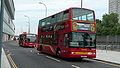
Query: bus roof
pixel 81 8
pixel 67 9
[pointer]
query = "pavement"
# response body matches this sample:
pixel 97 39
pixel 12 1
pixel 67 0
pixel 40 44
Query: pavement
pixel 4 60
pixel 104 55
pixel 109 56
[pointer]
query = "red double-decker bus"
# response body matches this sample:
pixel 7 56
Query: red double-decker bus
pixel 27 39
pixel 70 33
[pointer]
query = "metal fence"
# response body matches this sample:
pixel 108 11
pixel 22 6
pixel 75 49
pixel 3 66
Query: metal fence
pixel 108 42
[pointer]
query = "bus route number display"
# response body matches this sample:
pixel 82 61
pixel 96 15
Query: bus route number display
pixel 83 26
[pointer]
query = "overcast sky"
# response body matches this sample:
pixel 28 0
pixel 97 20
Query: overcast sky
pixel 36 11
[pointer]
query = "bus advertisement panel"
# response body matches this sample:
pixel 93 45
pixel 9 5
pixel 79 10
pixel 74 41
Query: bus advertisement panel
pixel 70 34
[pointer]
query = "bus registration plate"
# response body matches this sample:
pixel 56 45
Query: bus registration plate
pixel 84 56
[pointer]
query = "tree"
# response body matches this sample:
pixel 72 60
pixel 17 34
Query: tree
pixel 109 25
pixel 99 26
pixel 110 20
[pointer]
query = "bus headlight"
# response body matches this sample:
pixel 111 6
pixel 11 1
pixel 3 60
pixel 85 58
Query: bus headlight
pixel 90 53
pixel 72 52
pixel 94 53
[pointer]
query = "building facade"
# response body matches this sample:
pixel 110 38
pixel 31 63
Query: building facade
pixel 114 7
pixel 8 25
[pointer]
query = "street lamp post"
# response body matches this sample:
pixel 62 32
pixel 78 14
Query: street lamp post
pixel 45 7
pixel 81 3
pixel 28 23
pixel 1 26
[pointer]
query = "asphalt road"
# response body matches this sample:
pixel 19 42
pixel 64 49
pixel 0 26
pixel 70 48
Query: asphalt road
pixel 25 57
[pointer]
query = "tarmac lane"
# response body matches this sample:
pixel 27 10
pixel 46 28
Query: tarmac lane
pixel 25 57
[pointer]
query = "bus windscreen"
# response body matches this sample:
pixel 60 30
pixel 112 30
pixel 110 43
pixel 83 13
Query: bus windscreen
pixel 31 38
pixel 82 40
pixel 83 15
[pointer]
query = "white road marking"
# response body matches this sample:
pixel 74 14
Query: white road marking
pixel 53 58
pixel 75 66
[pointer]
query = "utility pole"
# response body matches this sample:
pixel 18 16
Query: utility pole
pixel 1 26
pixel 28 23
pixel 45 7
pixel 81 3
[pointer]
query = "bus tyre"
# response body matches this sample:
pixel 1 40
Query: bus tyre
pixel 40 48
pixel 58 53
pixel 20 45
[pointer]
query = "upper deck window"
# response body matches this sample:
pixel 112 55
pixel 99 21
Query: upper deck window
pixel 59 17
pixel 66 15
pixel 48 20
pixel 43 22
pixel 56 18
pixel 53 19
pixel 82 14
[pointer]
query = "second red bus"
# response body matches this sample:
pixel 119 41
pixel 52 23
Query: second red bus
pixel 27 39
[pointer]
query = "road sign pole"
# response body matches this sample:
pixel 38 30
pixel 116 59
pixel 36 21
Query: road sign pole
pixel 1 27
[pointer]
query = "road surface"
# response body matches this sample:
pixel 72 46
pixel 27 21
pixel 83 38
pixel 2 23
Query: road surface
pixel 25 57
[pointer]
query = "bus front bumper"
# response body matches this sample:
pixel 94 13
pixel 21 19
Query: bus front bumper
pixel 81 56
pixel 30 44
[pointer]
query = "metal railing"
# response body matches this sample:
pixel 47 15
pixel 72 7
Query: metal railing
pixel 108 42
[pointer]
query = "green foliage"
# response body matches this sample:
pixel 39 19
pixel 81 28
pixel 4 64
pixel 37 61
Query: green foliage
pixel 108 25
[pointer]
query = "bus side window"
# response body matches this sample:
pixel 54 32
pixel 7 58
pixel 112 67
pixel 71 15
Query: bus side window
pixel 48 21
pixel 44 38
pixel 43 22
pixel 66 15
pixel 53 19
pixel 67 39
pixel 41 39
pixel 21 38
pixel 59 17
pixel 40 24
pixel 55 38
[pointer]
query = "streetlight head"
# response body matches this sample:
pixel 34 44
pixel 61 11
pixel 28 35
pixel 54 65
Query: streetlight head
pixel 40 3
pixel 25 15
